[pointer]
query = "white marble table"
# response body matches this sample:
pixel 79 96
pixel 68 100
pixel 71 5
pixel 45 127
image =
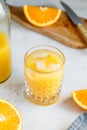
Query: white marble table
pixel 60 115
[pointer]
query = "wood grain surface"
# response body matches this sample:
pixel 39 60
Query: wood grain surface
pixel 62 31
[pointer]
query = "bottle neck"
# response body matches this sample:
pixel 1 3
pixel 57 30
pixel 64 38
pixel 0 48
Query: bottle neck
pixel 3 8
pixel 4 18
pixel 2 1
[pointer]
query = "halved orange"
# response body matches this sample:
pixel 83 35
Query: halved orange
pixel 41 16
pixel 10 118
pixel 80 97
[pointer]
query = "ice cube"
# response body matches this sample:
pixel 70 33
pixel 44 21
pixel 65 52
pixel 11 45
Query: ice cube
pixel 40 54
pixel 40 65
pixel 44 54
pixel 54 66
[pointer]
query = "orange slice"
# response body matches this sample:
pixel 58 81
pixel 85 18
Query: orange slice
pixel 80 97
pixel 41 16
pixel 10 118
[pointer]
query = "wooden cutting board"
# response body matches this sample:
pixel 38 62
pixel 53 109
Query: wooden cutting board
pixel 62 31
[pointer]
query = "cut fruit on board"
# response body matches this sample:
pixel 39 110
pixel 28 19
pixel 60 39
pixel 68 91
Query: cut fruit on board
pixel 62 31
pixel 41 16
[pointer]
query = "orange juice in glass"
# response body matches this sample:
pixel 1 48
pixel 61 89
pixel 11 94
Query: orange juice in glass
pixel 43 70
pixel 5 57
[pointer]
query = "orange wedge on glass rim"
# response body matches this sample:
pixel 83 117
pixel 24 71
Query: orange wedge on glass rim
pixel 80 97
pixel 10 118
pixel 41 16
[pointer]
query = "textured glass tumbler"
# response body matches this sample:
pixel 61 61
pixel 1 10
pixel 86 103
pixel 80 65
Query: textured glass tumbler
pixel 43 70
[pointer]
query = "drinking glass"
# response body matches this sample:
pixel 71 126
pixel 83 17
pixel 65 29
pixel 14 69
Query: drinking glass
pixel 43 70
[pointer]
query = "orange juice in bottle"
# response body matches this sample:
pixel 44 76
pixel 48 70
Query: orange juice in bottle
pixel 5 57
pixel 5 46
pixel 44 70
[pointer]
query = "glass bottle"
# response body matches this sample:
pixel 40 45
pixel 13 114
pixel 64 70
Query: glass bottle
pixel 5 46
